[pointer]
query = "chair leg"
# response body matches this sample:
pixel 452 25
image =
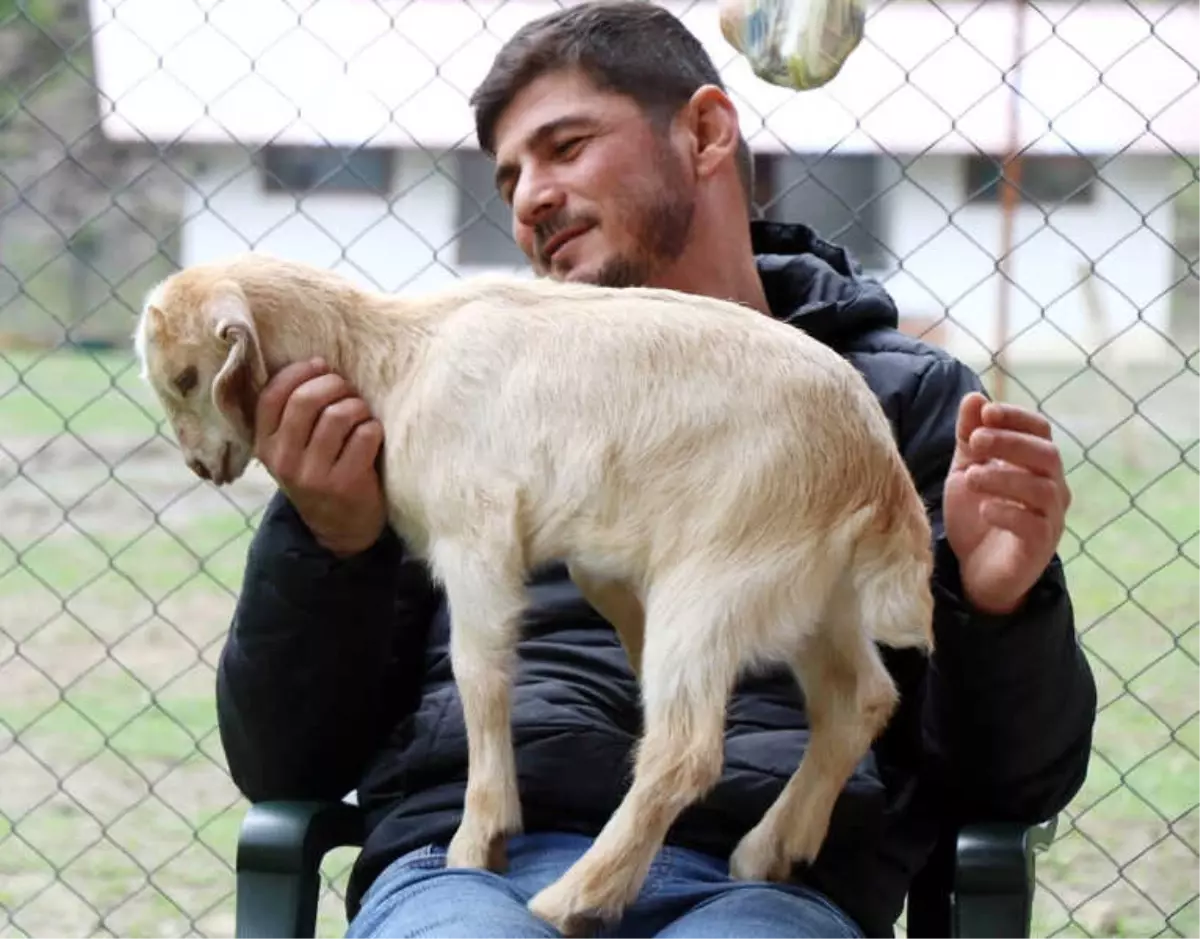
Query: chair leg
pixel 279 863
pixel 994 878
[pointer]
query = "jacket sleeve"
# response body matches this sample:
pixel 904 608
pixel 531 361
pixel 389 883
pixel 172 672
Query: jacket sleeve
pixel 322 659
pixel 1010 701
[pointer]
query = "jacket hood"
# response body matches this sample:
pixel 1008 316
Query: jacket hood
pixel 816 285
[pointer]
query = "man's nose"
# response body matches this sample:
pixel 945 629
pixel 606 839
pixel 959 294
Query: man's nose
pixel 535 200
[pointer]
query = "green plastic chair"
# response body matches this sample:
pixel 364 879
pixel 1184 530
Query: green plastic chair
pixel 979 881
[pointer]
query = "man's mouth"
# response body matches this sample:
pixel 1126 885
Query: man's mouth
pixel 556 242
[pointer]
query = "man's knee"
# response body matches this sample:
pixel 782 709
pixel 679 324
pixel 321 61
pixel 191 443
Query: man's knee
pixel 421 897
pixel 754 911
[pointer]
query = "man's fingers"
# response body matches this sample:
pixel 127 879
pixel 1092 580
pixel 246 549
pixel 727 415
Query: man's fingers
pixel 358 455
pixel 278 390
pixel 968 420
pixel 334 426
pixel 1012 417
pixel 970 411
pixel 1039 494
pixel 1030 527
pixel 304 407
pixel 1036 454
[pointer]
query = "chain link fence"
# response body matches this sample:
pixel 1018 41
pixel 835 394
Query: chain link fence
pixel 138 136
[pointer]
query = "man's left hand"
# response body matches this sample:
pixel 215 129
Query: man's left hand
pixel 1005 502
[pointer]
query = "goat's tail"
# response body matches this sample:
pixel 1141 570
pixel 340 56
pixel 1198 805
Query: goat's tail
pixel 892 568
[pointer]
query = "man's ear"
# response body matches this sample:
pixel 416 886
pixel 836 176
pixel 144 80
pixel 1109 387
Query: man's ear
pixel 237 385
pixel 712 123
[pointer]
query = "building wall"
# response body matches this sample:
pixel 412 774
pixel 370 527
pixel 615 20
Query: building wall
pixel 948 248
pixel 407 245
pixel 942 269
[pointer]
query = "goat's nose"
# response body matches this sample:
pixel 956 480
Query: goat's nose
pixel 199 469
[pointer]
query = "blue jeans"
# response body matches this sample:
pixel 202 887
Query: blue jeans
pixel 685 894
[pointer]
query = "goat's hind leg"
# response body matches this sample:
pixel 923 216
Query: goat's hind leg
pixel 485 590
pixel 850 697
pixel 617 603
pixel 689 663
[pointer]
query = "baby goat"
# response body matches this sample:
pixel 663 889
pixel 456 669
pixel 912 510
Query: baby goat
pixel 724 489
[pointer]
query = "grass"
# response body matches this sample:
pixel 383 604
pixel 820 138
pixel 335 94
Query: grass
pixel 46 393
pixel 117 581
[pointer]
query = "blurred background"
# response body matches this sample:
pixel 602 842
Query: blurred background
pixel 1021 176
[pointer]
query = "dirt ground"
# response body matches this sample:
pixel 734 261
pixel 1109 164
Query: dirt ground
pixel 97 482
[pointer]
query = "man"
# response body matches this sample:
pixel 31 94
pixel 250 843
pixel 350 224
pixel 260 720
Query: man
pixel 622 159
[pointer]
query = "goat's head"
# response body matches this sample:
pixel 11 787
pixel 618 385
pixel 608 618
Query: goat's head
pixel 200 352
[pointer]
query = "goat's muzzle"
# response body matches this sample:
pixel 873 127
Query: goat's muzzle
pixel 220 472
pixel 199 469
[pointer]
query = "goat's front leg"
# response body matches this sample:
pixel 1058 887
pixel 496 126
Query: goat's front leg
pixel 486 597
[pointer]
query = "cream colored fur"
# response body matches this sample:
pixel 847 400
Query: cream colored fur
pixel 724 489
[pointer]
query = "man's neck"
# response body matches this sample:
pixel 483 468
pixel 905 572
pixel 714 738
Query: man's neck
pixel 719 262
pixel 736 285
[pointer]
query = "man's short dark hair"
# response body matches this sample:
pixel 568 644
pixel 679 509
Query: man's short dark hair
pixel 631 47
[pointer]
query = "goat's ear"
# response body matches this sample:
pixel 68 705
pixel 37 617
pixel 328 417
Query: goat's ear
pixel 150 330
pixel 156 322
pixel 238 383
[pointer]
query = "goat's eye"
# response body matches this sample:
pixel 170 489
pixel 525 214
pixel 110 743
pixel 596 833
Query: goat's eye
pixel 186 380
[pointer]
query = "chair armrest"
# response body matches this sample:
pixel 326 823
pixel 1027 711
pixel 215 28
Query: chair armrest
pixel 994 877
pixel 279 854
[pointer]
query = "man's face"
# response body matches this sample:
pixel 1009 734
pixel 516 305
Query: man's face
pixel 598 196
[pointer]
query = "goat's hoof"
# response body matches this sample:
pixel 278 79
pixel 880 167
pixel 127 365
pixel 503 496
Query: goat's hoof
pixel 485 853
pixel 557 907
pixel 803 846
pixel 759 857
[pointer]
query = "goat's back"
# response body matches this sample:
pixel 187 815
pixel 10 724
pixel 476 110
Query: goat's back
pixel 637 422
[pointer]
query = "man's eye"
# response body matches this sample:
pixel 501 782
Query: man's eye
pixel 567 148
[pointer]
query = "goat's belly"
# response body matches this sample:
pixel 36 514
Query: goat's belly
pixel 608 456
pixel 614 507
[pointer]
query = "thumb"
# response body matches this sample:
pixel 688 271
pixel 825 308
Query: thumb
pixel 970 418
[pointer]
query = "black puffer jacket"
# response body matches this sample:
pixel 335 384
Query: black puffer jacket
pixel 336 675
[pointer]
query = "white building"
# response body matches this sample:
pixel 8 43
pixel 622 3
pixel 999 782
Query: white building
pixel 893 158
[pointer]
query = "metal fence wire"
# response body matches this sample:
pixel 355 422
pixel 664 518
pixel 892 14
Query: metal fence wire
pixel 139 136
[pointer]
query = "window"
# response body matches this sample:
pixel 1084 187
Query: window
pixel 836 195
pixel 1045 180
pixel 327 169
pixel 839 196
pixel 483 221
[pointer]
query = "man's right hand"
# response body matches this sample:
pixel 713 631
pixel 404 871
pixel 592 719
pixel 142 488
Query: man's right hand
pixel 319 441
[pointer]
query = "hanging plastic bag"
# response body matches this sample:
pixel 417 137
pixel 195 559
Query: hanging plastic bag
pixel 797 44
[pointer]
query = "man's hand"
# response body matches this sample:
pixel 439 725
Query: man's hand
pixel 319 441
pixel 1005 502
